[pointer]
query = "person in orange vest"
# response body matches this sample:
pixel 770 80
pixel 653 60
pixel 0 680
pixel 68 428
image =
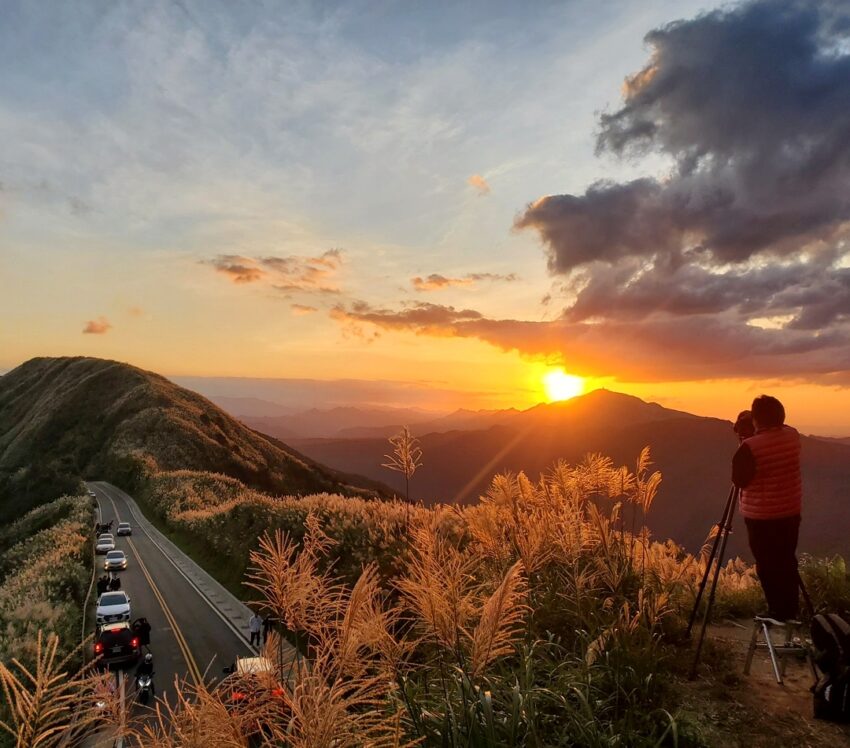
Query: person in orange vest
pixel 766 468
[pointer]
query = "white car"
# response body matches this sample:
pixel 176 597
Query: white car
pixel 115 561
pixel 124 529
pixel 105 543
pixel 113 606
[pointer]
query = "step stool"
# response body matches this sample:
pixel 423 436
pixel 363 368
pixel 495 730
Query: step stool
pixel 792 645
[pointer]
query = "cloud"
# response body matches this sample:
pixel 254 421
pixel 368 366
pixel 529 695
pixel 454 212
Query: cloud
pixel 479 183
pixel 239 269
pixel 135 311
pixel 632 350
pixel 749 230
pixel 302 309
pixel 436 282
pixel 290 274
pixel 99 326
pixel 751 106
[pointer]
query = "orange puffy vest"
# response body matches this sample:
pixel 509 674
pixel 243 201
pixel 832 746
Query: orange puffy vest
pixel 776 490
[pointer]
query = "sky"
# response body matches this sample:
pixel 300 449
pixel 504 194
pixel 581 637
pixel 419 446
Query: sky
pixel 448 198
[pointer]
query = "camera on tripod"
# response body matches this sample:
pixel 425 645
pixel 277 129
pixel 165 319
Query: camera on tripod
pixel 744 426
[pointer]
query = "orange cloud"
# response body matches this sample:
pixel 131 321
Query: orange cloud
pixel 302 309
pixel 135 311
pixel 480 184
pixel 238 269
pixel 99 326
pixel 291 274
pixel 436 282
pixel 634 350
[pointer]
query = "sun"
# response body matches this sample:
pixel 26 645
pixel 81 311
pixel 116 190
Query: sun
pixel 561 386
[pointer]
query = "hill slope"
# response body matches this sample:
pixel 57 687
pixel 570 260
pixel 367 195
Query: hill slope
pixel 693 454
pixel 63 419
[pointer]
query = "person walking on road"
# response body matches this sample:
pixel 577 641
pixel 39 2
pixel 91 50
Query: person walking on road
pixel 102 584
pixel 114 583
pixel 267 626
pixel 143 630
pixel 255 624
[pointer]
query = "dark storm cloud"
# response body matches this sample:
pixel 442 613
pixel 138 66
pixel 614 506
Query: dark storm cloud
pixel 753 106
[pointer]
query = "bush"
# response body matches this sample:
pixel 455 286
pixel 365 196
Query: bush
pixel 45 572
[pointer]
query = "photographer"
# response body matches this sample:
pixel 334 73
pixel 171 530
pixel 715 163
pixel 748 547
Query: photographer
pixel 766 468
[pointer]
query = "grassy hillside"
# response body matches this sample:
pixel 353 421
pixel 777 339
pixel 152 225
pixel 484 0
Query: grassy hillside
pixel 66 419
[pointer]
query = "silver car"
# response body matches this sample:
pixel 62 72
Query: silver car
pixel 124 529
pixel 115 561
pixel 105 543
pixel 113 606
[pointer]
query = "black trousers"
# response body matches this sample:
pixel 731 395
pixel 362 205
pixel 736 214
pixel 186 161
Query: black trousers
pixel 255 637
pixel 774 545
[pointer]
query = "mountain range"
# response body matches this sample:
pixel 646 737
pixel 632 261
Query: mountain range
pixel 692 452
pixel 66 419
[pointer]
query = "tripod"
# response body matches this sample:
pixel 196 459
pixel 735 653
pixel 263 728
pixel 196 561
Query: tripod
pixel 718 549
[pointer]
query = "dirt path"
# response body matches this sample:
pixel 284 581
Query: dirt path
pixel 754 711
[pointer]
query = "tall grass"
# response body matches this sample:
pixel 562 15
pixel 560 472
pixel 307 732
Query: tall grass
pixel 545 615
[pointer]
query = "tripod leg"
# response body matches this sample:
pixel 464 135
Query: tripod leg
pixel 752 649
pixel 724 520
pixel 724 532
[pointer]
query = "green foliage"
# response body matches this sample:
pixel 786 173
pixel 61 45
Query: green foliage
pixel 67 419
pixel 827 582
pixel 45 571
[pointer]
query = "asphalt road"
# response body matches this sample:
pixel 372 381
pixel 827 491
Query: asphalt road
pixel 189 640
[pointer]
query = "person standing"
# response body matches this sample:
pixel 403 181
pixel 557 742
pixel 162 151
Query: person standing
pixel 267 627
pixel 255 624
pixel 766 468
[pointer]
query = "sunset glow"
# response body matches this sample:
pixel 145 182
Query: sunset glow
pixel 559 385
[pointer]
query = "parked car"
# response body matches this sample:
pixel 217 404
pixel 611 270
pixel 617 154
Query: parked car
pixel 113 606
pixel 250 681
pixel 105 543
pixel 116 644
pixel 115 561
pixel 92 494
pixel 124 529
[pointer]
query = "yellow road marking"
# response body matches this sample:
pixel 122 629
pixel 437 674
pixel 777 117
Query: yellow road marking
pixel 178 633
pixel 191 665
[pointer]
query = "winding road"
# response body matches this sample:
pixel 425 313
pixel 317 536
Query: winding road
pixel 190 638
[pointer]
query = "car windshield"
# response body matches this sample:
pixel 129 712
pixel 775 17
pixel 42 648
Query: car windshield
pixel 115 554
pixel 105 537
pixel 114 598
pixel 124 525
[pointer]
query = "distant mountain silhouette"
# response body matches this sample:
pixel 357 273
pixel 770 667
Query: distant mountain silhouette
pixel 692 452
pixel 64 419
pixel 252 407
pixel 335 422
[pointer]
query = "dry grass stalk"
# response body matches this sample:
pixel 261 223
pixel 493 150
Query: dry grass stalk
pixel 501 616
pixel 290 581
pixel 46 703
pixel 440 589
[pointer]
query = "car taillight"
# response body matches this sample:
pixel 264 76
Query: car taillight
pixel 98 647
pixel 135 642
